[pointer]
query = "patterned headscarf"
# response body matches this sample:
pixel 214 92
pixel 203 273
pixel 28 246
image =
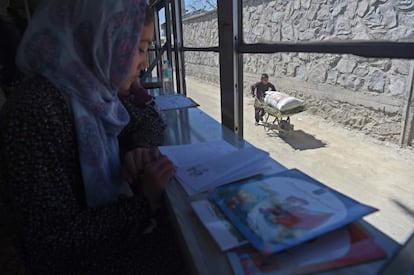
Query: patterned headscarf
pixel 85 48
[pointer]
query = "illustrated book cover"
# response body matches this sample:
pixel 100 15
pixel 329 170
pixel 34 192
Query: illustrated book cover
pixel 347 246
pixel 279 211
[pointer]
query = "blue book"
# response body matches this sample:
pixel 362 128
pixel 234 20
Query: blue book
pixel 279 211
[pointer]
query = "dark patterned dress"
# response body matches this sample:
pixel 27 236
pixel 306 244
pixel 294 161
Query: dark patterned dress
pixel 146 126
pixel 41 180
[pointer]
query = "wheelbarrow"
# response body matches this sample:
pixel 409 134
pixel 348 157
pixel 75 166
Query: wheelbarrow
pixel 274 119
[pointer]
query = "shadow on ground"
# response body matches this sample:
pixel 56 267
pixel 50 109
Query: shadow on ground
pixel 405 208
pixel 298 139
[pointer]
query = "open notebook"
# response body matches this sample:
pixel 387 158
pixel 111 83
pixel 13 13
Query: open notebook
pixel 206 165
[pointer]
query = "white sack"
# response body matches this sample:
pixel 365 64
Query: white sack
pixel 282 101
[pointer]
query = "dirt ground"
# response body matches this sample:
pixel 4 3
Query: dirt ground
pixel 376 173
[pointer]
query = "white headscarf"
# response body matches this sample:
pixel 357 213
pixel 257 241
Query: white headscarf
pixel 85 48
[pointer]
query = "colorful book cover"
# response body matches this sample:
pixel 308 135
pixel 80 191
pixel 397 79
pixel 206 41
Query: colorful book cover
pixel 283 210
pixel 343 247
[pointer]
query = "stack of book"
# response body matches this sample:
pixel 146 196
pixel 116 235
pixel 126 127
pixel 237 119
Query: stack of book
pixel 282 223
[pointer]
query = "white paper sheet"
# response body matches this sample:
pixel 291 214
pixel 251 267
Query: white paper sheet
pixel 206 165
pixel 223 232
pixel 223 169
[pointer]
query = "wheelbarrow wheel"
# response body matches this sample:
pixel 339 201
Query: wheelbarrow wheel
pixel 285 125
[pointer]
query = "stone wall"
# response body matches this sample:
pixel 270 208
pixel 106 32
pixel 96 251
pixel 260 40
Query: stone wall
pixel 363 93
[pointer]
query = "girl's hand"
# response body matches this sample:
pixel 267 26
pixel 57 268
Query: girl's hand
pixel 157 175
pixel 135 161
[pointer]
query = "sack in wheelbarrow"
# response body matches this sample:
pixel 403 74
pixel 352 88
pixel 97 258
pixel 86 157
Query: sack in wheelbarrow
pixel 281 101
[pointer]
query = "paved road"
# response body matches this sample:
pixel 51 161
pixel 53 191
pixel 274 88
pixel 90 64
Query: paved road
pixel 372 172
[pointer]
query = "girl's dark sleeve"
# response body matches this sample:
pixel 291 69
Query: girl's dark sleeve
pixel 40 162
pixel 145 128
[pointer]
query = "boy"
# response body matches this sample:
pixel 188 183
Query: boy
pixel 258 92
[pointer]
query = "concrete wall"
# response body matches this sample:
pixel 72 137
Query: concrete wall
pixel 361 93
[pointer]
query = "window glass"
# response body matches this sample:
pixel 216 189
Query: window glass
pixel 200 27
pixel 348 135
pixel 312 20
pixel 162 26
pixel 364 94
pixel 202 74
